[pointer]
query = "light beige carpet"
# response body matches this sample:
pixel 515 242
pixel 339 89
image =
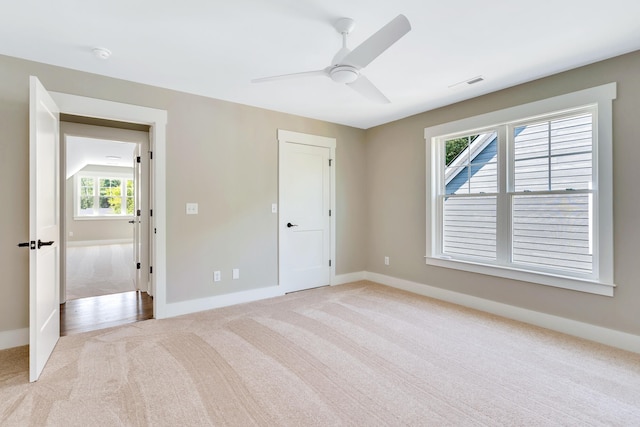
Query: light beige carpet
pixel 99 270
pixel 357 354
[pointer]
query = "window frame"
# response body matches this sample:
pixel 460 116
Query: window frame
pixel 97 176
pixel 601 282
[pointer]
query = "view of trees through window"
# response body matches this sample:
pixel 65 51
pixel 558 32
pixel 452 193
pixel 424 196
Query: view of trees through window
pixel 454 147
pixel 106 196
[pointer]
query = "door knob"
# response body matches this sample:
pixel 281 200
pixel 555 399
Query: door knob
pixel 30 245
pixel 41 243
pixel 289 225
pixel 131 222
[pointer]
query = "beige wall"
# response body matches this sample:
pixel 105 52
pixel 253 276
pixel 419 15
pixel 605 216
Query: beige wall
pixel 219 154
pixel 397 196
pixel 224 156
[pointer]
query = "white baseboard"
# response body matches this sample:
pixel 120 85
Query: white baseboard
pixel 194 306
pixel 14 338
pixel 618 339
pixel 341 279
pixel 98 242
pixel 202 304
pixel 587 331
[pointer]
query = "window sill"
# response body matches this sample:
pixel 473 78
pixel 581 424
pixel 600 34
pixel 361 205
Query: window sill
pixel 103 218
pixel 558 281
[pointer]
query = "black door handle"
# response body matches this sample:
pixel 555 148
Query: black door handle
pixel 41 243
pixel 289 225
pixel 30 245
pixel 132 222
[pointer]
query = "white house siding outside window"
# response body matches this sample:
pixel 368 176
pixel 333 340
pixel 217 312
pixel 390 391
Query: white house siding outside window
pixel 525 193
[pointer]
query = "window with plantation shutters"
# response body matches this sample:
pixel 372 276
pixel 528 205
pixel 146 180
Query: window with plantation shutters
pixel 528 198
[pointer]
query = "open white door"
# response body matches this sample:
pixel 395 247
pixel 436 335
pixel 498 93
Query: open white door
pixel 305 221
pixel 137 241
pixel 44 230
pixel 141 242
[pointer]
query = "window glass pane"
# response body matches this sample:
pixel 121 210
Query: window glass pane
pixel 484 178
pixel 454 149
pixel 110 199
pixel 553 231
pixel 532 174
pixel 470 227
pixel 471 164
pixel 457 180
pixel 86 196
pixel 571 135
pixel 130 197
pixel 531 141
pixel 484 148
pixel 571 172
pixel 554 155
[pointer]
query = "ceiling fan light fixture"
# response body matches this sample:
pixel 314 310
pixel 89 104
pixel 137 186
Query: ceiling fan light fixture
pixel 344 74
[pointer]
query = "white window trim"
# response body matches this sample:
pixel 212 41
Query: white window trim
pixel 96 175
pixel 600 96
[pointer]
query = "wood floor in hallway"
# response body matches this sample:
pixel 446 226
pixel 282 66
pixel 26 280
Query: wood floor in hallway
pixel 106 311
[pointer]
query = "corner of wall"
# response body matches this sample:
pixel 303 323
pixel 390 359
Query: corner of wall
pixel 14 338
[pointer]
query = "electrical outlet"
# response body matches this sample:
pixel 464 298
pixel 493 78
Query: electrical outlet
pixel 217 276
pixel 386 260
pixel 235 274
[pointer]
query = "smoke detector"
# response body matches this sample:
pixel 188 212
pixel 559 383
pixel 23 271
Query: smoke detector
pixel 101 52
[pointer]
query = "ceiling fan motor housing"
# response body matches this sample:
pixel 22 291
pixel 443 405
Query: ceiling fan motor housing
pixel 344 74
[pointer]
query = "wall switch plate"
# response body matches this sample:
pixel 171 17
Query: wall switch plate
pixel 235 274
pixel 386 260
pixel 192 208
pixel 217 276
pixel 274 208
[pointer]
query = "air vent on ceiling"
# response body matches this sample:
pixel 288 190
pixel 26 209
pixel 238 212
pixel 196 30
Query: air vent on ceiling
pixel 464 83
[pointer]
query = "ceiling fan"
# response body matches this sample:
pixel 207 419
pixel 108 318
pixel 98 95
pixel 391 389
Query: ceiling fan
pixel 347 64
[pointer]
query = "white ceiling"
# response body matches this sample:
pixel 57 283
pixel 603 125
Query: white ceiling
pixel 215 47
pixel 89 151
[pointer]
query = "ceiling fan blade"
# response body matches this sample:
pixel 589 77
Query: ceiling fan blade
pixel 291 76
pixel 364 87
pixel 371 48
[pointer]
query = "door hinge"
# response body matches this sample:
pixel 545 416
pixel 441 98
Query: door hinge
pixel 329 263
pixel 329 212
pixel 138 159
pixel 151 155
pixel 150 270
pixel 138 266
pixel 330 160
pixel 150 212
pixel 139 212
pixel 155 230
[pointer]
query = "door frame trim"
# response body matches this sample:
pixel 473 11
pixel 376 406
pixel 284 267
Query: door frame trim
pixel 286 136
pixel 157 120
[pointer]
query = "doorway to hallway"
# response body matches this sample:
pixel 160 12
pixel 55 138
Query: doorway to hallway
pixel 106 208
